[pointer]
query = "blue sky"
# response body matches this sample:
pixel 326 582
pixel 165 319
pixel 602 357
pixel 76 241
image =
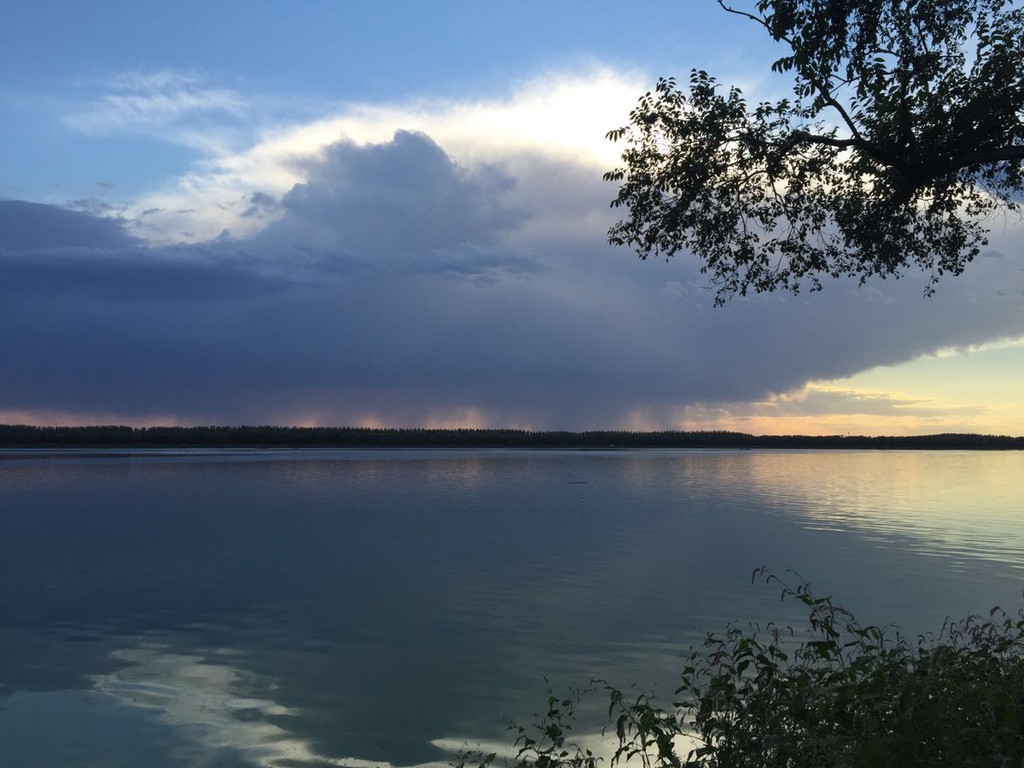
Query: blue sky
pixel 392 213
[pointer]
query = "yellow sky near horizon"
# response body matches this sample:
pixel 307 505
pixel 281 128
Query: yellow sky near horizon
pixel 974 391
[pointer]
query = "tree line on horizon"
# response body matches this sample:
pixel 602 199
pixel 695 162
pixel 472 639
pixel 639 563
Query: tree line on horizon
pixel 110 436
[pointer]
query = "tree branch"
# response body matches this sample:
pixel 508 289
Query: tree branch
pixel 830 100
pixel 805 137
pixel 1012 152
pixel 857 142
pixel 759 19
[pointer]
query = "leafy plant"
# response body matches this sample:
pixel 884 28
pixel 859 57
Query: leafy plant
pixel 837 693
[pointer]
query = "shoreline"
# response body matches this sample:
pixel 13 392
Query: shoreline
pixel 257 438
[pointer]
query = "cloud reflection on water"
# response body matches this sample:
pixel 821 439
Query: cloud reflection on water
pixel 203 701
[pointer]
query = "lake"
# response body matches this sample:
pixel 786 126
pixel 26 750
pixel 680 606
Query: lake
pixel 311 608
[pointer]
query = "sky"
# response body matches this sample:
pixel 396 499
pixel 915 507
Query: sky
pixel 392 214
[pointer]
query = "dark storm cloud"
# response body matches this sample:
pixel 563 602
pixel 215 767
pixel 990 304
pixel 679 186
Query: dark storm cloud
pixel 126 275
pixel 397 284
pixel 33 226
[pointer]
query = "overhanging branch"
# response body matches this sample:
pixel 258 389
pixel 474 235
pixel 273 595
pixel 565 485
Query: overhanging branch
pixel 1012 152
pixel 805 137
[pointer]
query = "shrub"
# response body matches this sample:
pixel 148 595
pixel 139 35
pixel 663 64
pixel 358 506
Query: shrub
pixel 835 694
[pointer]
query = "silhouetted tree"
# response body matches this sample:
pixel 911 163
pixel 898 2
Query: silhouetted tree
pixel 904 135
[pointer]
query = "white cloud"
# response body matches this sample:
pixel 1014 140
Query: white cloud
pixel 177 106
pixel 557 116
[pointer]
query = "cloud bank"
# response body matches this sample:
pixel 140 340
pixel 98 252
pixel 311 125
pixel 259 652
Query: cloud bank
pixel 431 279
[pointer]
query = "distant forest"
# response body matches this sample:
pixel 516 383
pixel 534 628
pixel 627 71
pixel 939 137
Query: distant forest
pixel 19 436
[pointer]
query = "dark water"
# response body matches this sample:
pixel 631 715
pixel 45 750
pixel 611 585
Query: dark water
pixel 333 608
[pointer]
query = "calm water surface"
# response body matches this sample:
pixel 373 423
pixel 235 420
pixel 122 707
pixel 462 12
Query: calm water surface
pixel 345 607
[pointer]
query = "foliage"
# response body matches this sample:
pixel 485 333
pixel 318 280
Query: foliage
pixel 839 694
pixel 905 134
